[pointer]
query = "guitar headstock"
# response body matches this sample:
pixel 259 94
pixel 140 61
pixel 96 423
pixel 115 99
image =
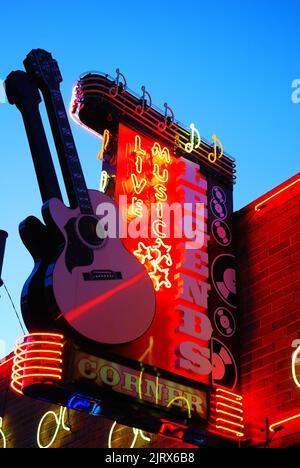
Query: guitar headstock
pixel 21 90
pixel 43 68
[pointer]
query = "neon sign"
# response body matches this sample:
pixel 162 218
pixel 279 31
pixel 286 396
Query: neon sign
pixel 195 329
pixel 280 424
pixel 294 363
pixel 38 357
pixel 150 174
pixel 2 435
pixel 60 425
pixel 218 151
pixel 104 181
pixel 140 385
pixel 195 140
pixel 227 413
pixel 105 143
pixel 136 433
pixel 174 251
pixel 263 204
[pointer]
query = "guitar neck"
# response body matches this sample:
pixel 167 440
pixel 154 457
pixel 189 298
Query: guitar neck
pixel 68 157
pixel 22 92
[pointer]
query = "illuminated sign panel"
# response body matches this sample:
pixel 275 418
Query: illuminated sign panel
pixel 174 251
pixel 223 297
pixel 140 385
pixel 194 332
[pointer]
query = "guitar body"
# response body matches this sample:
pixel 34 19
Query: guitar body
pixel 42 247
pixel 101 291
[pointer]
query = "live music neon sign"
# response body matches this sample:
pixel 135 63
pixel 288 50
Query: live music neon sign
pixel 156 256
pixel 150 174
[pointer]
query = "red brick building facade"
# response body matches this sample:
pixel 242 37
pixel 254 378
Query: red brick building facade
pixel 269 291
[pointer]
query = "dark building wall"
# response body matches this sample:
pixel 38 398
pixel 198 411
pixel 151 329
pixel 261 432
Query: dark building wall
pixel 268 245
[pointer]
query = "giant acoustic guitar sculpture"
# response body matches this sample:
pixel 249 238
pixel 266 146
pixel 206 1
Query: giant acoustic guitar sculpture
pixel 93 285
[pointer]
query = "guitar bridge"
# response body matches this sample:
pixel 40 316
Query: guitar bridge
pixel 102 275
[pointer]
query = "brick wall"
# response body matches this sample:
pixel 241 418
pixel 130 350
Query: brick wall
pixel 268 244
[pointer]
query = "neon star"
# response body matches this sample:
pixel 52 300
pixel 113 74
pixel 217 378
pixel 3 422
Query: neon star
pixel 160 257
pixel 160 243
pixel 157 275
pixel 140 253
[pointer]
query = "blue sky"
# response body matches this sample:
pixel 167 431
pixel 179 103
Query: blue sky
pixel 226 65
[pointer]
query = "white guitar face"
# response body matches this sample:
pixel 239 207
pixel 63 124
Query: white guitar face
pixel 100 289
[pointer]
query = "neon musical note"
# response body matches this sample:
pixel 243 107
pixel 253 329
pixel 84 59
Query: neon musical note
pixel 119 86
pixel 168 119
pixel 104 181
pixel 105 143
pixel 212 157
pixel 195 135
pixel 144 106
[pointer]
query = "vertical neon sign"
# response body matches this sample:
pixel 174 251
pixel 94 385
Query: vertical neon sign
pixel 159 187
pixel 154 254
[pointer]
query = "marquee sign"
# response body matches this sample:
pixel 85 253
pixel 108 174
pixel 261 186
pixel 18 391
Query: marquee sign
pixel 140 385
pixel 195 287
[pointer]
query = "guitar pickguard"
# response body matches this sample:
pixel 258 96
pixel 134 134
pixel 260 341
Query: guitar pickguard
pixel 77 254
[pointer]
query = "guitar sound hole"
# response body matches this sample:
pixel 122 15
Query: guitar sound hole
pixel 91 231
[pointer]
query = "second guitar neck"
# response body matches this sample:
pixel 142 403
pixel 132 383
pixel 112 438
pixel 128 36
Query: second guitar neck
pixel 44 70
